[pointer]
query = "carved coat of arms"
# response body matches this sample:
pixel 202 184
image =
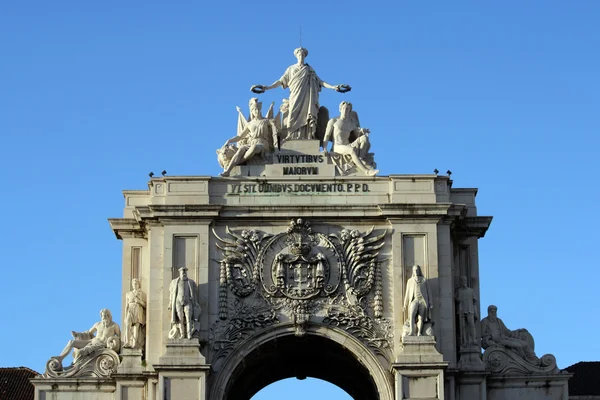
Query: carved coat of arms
pixel 302 273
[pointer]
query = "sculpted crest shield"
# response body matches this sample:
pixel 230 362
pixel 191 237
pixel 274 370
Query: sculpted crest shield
pixel 299 264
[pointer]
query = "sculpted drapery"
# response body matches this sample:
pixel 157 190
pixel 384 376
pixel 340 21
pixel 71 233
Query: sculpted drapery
pixel 304 85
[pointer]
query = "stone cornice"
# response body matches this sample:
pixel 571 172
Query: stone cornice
pixel 127 228
pixel 184 211
pixel 175 214
pixel 471 226
pixel 433 211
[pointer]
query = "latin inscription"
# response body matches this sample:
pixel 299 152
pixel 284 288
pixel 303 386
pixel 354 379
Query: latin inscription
pixel 299 158
pixel 290 188
pixel 301 170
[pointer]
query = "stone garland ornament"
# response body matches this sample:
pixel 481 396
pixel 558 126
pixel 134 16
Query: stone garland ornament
pixel 303 275
pixel 376 333
pixel 246 318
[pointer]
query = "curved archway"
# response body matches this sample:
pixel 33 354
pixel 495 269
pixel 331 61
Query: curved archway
pixel 326 353
pixel 294 389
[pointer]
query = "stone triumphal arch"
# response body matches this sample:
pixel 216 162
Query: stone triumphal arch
pixel 300 260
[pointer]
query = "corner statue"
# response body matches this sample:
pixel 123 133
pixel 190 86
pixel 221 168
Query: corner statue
pixel 467 313
pixel 495 333
pixel 135 317
pixel 107 335
pixel 254 138
pixel 417 301
pixel 351 143
pixel 304 116
pixel 184 307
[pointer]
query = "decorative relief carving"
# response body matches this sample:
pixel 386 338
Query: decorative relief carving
pixel 301 275
pixel 377 333
pixel 506 362
pixel 245 318
pixel 299 264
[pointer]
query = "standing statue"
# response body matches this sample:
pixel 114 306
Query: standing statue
pixel 85 343
pixel 349 139
pixel 135 316
pixel 417 301
pixel 305 85
pixel 184 307
pixel 467 313
pixel 255 137
pixel 495 333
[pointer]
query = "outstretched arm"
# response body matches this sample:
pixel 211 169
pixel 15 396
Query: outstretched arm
pixel 338 88
pixel 274 85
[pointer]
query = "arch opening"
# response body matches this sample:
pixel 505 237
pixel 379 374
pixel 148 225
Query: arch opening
pixel 309 356
pixel 293 389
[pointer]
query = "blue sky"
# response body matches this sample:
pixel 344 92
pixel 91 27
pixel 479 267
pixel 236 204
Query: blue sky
pixel 94 95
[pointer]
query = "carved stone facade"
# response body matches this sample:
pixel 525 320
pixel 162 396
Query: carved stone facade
pixel 301 262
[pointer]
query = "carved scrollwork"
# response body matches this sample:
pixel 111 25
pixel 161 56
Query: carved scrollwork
pixel 360 253
pixel 376 333
pixel 101 363
pixel 246 318
pixel 239 269
pixel 501 360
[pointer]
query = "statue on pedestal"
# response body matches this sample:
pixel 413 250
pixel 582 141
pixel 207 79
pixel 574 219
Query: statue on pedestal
pixel 135 317
pixel 184 307
pixel 418 302
pixel 351 143
pixel 509 352
pixel 495 333
pixel 304 114
pixel 94 351
pixel 84 343
pixel 467 313
pixel 255 137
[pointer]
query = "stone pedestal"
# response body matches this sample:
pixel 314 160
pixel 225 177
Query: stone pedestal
pixel 471 380
pixel 131 362
pixel 419 370
pixel 182 352
pixel 472 385
pixel 130 380
pixel 182 371
pixel 470 359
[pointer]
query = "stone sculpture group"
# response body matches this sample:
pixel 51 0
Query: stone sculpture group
pixel 301 273
pixel 300 117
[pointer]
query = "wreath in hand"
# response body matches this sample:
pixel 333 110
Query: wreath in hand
pixel 343 88
pixel 258 89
